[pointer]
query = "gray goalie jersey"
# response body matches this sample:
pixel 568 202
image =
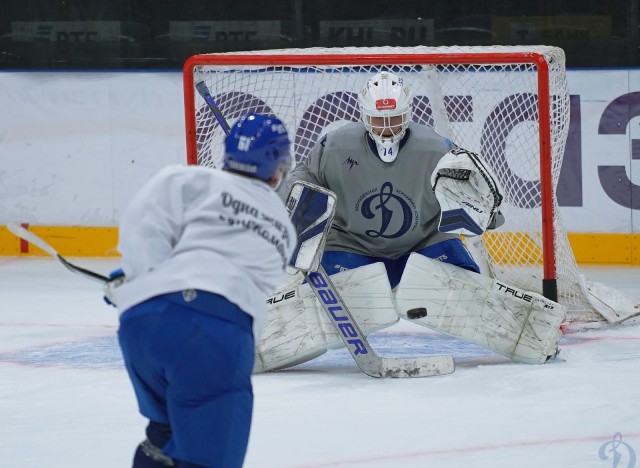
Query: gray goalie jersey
pixel 383 209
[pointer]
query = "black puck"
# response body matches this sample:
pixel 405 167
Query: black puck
pixel 416 313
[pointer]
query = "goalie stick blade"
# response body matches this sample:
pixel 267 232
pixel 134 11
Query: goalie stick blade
pixel 417 367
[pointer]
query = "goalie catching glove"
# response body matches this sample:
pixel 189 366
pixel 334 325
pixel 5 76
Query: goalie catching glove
pixel 468 194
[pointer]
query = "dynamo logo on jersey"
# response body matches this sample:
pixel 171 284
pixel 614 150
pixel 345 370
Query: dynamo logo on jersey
pixel 385 205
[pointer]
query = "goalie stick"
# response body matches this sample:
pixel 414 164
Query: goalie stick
pixel 32 238
pixel 305 202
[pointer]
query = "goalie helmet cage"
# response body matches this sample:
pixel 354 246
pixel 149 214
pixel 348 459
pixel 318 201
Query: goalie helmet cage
pixel 509 104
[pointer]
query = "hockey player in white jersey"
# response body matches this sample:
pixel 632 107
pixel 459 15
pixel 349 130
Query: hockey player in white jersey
pixel 201 251
pixel 405 194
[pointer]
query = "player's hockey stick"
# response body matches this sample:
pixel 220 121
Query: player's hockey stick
pixel 311 209
pixel 202 89
pixel 30 237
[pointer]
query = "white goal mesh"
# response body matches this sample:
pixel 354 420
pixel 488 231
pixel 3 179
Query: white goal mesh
pixel 508 104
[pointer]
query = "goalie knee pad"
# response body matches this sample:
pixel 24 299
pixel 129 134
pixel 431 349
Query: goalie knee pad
pixel 297 328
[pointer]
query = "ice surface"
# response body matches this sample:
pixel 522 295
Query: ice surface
pixel 65 400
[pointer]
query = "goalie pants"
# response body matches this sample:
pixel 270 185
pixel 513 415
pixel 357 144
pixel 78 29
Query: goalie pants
pixel 190 364
pixel 450 251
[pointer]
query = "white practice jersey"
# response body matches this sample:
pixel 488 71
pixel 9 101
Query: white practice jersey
pixel 191 227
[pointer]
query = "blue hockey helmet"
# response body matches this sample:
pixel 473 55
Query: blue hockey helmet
pixel 258 146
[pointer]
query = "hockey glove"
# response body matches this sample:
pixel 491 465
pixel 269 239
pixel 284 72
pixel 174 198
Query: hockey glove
pixel 116 278
pixel 468 194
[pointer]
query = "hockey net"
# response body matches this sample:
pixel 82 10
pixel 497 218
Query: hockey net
pixel 508 104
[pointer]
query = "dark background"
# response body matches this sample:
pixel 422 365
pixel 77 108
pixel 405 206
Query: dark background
pixel 145 39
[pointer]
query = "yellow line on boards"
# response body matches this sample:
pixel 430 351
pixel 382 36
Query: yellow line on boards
pixel 68 241
pixel 83 241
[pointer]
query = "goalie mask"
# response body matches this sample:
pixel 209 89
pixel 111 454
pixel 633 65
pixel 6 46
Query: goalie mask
pixel 258 146
pixel 385 105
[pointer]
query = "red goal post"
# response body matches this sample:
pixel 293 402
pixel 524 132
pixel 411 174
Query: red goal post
pixel 509 104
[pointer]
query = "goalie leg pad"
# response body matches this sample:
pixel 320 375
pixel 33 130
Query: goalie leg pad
pixel 521 325
pixel 297 329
